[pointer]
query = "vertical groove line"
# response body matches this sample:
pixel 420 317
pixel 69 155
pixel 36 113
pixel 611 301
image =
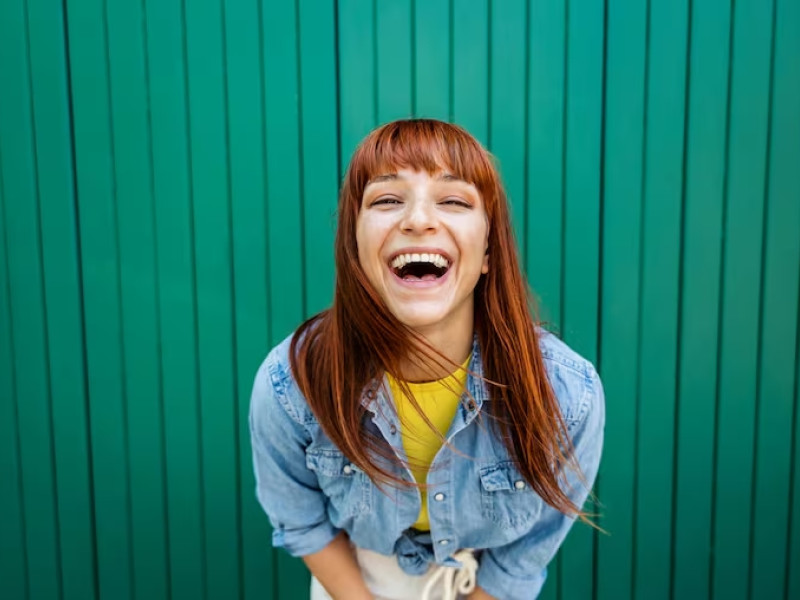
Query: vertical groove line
pixel 414 58
pixel 681 282
pixel 264 150
pixel 639 325
pixel 195 324
pixel 526 138
pixel 563 216
pixel 600 270
pixel 720 314
pixel 43 299
pixel 301 184
pixel 488 74
pixel 234 366
pixel 451 63
pixel 82 303
pixel 793 458
pixel 337 69
pixel 273 560
pixel 15 399
pixel 762 282
pixel 375 73
pixel 157 293
pixel 120 304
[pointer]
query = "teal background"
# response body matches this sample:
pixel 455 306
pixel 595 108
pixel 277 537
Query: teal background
pixel 168 180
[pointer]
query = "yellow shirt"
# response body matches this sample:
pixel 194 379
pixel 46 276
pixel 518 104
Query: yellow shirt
pixel 439 402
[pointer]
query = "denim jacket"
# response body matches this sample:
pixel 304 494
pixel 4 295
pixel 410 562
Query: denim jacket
pixel 477 498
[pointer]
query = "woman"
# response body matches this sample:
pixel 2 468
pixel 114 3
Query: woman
pixel 422 438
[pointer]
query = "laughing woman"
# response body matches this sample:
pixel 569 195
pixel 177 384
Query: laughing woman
pixel 424 438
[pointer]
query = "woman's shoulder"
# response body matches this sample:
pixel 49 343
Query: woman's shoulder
pixel 275 382
pixel 574 379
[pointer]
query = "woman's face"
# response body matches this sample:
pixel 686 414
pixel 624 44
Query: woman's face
pixel 422 242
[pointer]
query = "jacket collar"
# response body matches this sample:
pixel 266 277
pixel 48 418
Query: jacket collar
pixel 377 399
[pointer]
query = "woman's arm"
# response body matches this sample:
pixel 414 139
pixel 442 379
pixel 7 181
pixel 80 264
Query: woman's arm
pixel 479 594
pixel 337 570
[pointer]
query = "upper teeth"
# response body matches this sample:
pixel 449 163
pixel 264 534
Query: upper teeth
pixel 401 260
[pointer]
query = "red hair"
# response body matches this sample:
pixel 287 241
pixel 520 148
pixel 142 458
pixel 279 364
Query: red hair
pixel 336 354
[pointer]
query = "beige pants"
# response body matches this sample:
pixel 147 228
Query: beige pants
pixel 387 581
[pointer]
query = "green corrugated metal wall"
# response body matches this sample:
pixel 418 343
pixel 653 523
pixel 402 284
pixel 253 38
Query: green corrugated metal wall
pixel 168 176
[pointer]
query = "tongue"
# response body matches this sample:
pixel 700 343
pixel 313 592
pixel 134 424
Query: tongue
pixel 426 277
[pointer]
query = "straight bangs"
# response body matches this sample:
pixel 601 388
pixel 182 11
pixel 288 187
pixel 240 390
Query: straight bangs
pixel 423 145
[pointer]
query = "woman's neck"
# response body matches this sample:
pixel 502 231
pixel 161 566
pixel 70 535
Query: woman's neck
pixel 455 345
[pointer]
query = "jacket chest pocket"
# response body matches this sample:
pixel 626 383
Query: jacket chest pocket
pixel 345 485
pixel 506 498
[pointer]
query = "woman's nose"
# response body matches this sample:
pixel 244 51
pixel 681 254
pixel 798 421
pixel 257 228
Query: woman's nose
pixel 419 217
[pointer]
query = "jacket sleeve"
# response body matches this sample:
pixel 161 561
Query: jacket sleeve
pixel 518 570
pixel 286 489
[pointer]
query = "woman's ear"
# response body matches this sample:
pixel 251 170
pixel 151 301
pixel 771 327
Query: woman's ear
pixel 485 266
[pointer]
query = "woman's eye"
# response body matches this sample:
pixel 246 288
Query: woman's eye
pixel 385 201
pixel 456 202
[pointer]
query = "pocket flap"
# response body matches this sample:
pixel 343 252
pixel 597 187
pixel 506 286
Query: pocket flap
pixel 330 463
pixel 502 476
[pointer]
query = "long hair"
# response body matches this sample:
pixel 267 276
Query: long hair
pixel 338 353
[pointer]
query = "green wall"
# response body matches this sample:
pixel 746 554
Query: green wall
pixel 168 177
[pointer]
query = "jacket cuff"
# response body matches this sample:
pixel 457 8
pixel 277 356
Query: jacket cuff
pixel 497 582
pixel 305 541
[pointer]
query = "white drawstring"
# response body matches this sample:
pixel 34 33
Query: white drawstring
pixel 456 580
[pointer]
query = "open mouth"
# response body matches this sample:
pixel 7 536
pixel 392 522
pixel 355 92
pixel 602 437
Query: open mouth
pixel 420 267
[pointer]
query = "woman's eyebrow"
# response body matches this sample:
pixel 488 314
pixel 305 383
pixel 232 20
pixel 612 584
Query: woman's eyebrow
pixel 382 178
pixel 449 177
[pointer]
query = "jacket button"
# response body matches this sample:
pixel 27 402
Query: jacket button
pixel 520 485
pixel 471 405
pixel 444 542
pixel 347 470
pixel 439 497
pixel 392 429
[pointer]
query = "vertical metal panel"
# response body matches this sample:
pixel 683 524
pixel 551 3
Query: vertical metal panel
pixel 138 298
pixel 740 305
pixel 507 106
pixel 320 147
pixel 205 46
pixel 245 80
pixel 165 54
pixel 286 205
pixel 13 552
pixel 660 262
pixel 394 37
pixel 581 229
pixel 96 172
pixel 779 318
pixel 620 313
pixel 357 82
pixel 706 123
pixel 784 189
pixel 432 64
pixel 61 274
pixel 470 38
pixel 30 396
pixel 545 154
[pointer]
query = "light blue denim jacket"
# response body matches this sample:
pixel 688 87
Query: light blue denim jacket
pixel 477 498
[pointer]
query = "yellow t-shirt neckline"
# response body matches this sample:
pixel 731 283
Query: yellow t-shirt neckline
pixel 439 400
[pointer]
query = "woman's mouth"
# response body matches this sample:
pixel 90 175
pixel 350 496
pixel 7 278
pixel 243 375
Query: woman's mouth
pixel 425 266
